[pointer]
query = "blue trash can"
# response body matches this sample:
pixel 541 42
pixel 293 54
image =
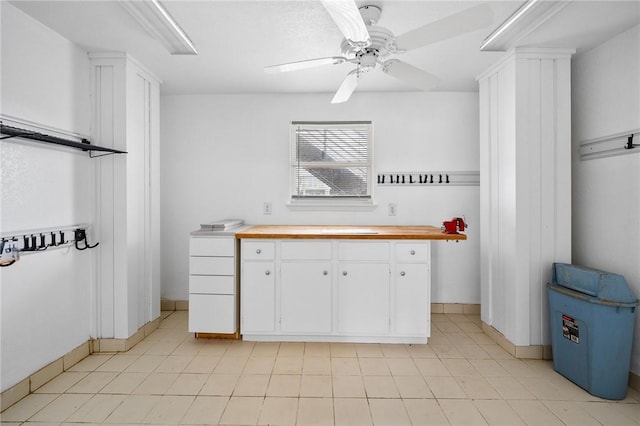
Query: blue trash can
pixel 592 316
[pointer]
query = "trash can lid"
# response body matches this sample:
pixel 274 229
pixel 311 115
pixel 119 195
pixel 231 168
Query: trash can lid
pixel 600 284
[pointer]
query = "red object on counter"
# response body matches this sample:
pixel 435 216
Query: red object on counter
pixel 453 226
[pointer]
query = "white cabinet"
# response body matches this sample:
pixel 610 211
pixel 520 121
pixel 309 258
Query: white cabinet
pixel 213 285
pixel 335 290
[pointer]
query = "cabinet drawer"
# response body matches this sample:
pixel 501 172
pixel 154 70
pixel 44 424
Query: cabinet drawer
pixel 412 252
pixel 209 313
pixel 258 250
pixel 211 265
pixel 305 250
pixel 211 246
pixel 365 251
pixel 212 284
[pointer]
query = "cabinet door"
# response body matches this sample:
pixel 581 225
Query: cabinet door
pixel 212 313
pixel 412 302
pixel 305 297
pixel 257 297
pixel 363 298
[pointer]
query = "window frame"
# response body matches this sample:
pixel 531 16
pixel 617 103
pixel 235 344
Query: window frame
pixel 330 202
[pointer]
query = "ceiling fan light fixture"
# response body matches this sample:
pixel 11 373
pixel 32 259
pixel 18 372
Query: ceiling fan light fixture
pixel 157 21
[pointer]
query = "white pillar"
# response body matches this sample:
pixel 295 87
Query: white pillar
pixel 125 103
pixel 525 188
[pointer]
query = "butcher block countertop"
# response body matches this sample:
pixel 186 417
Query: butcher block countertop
pixel 369 232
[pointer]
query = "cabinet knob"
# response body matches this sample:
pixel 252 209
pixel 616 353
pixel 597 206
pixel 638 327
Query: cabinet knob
pixel 412 252
pixel 267 272
pixel 325 272
pixel 258 251
pixel 344 273
pixel 402 274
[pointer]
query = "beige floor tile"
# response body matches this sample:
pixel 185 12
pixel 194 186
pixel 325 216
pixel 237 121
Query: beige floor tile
pixel 369 350
pixel 534 412
pixel 252 385
pixel 460 367
pixel 469 327
pixel 278 411
pixel 188 384
pixel 61 408
pixel 509 388
pixel 494 350
pixel 316 365
pixel 388 412
pixel 265 349
pixel 91 362
pixel 459 338
pixel 174 364
pixel 27 407
pixel 348 387
pixel 92 382
pixel 146 363
pixel 118 363
pixel 482 339
pixel 447 326
pixel 412 387
pixel 239 348
pixel 288 365
pixel 229 364
pixel 220 385
pixel 156 384
pixel 259 365
pixel 446 351
pixel 205 410
pixel 571 413
pixel 473 351
pixel 461 412
pixel 345 366
pixel 124 383
pixel 214 348
pixel 421 351
pixel 352 412
pixel 519 368
pixel 315 411
pixel 498 412
pixel 396 350
pixel 169 409
pixel 317 349
pixel 189 347
pixel 425 412
pixel 438 338
pixel 284 385
pixel 291 349
pixel 242 410
pixel 343 350
pixel 445 387
pixel 97 409
pixel 489 368
pixel 430 367
pixel 544 389
pixel 62 382
pixel 374 367
pixel 402 367
pixel 477 387
pixel 202 364
pixel 380 387
pixel 316 386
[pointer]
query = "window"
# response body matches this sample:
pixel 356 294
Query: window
pixel 331 161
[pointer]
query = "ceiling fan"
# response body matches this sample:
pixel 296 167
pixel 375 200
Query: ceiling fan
pixel 367 45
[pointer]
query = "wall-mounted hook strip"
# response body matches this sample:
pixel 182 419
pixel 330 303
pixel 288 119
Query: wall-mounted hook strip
pixel 81 237
pixel 447 178
pixel 630 144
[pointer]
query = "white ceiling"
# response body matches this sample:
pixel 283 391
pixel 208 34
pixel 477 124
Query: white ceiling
pixel 236 39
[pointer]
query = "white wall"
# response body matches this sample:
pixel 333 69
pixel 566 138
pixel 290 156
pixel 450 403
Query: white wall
pixel 222 156
pixel 606 192
pixel 44 298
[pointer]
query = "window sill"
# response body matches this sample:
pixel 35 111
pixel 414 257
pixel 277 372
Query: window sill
pixel 332 205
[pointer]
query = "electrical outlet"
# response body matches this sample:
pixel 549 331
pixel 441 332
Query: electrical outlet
pixel 392 209
pixel 266 207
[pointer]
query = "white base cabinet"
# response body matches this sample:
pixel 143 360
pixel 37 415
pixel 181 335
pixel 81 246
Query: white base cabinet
pixel 335 290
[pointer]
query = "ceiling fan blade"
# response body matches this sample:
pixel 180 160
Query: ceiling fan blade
pixel 410 74
pixel 453 25
pixel 300 65
pixel 346 88
pixel 347 17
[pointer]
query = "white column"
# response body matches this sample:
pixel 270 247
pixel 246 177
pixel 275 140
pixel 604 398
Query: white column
pixel 525 166
pixel 125 102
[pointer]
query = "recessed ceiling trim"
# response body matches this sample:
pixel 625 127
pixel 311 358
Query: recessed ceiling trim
pixel 157 21
pixel 523 22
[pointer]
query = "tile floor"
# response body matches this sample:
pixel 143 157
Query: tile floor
pixel 460 377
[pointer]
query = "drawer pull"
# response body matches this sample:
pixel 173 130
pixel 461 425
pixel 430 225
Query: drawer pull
pixel 258 251
pixel 344 273
pixel 402 274
pixel 412 252
pixel 325 272
pixel 267 272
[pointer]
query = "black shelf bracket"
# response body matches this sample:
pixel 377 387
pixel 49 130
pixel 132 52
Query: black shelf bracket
pixel 84 145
